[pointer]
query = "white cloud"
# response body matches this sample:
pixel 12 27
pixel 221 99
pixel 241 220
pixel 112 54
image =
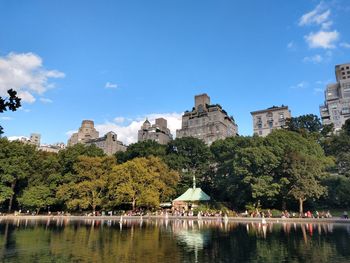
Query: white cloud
pixel 110 85
pixel 25 73
pixel 345 45
pixel 317 16
pixel 322 39
pixel 46 100
pixel 6 118
pixel 15 138
pixel 318 90
pixel 119 119
pixel 127 130
pixel 300 85
pixel 314 59
pixel 290 45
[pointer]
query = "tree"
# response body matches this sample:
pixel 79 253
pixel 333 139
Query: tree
pixel 190 157
pixel 87 189
pixel 304 174
pixel 12 103
pixel 141 182
pixel 141 149
pixel 37 197
pixel 308 123
pixel 16 161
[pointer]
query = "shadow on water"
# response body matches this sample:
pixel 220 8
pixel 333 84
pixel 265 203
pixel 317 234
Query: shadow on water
pixel 62 240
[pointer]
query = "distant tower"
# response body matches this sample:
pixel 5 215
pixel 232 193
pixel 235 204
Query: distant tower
pixel 336 108
pixel 208 122
pixel 35 139
pixel 158 132
pixel 86 132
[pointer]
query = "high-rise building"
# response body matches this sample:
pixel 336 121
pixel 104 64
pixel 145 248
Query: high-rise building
pixel 208 122
pixel 108 143
pixel 35 139
pixel 336 108
pixel 86 132
pixel 265 121
pixel 158 132
pixel 88 135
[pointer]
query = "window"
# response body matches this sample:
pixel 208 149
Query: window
pixel 260 132
pixel 270 124
pixel 259 125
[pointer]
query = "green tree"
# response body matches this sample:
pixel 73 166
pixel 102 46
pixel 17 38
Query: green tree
pixel 141 149
pixel 87 189
pixel 304 173
pixel 190 157
pixel 304 123
pixel 16 161
pixel 12 103
pixel 37 197
pixel 141 182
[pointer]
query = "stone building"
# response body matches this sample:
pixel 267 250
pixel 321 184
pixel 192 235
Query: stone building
pixel 264 121
pixel 158 132
pixel 208 122
pixel 336 108
pixel 54 148
pixel 35 139
pixel 108 143
pixel 86 132
pixel 88 135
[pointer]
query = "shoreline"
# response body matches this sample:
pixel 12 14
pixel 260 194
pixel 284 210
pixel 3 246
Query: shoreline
pixel 335 220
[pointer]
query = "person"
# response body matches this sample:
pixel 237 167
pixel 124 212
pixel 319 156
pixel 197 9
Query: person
pixel 345 215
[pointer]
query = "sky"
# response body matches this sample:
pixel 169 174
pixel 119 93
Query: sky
pixel 119 62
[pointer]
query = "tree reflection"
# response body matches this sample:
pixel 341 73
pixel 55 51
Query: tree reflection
pixel 64 240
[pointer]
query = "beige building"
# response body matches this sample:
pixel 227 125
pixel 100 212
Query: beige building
pixel 265 121
pixel 158 132
pixel 88 135
pixel 108 143
pixel 208 122
pixel 54 148
pixel 86 132
pixel 336 108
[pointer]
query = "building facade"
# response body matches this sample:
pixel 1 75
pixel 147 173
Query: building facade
pixel 265 121
pixel 336 108
pixel 208 122
pixel 86 132
pixel 108 143
pixel 88 135
pixel 158 132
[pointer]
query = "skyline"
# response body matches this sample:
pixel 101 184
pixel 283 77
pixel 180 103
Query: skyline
pixel 117 63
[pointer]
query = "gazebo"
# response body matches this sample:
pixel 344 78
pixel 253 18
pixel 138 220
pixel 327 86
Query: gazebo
pixel 191 197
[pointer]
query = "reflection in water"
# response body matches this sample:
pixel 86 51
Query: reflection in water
pixel 65 240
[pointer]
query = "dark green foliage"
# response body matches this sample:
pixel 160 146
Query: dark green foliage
pixel 12 103
pixel 141 149
pixel 304 123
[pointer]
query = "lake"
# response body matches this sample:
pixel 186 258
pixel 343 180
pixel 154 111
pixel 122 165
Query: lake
pixel 147 241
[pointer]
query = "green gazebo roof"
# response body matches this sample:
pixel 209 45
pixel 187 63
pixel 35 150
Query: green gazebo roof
pixel 193 194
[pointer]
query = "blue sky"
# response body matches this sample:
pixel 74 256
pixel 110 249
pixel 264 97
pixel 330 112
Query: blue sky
pixel 116 62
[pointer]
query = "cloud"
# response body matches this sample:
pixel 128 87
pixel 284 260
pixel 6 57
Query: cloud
pixel 110 85
pixel 25 73
pixel 300 85
pixel 6 118
pixel 318 16
pixel 345 45
pixel 119 119
pixel 16 138
pixel 318 90
pixel 313 59
pixel 46 100
pixel 127 129
pixel 322 39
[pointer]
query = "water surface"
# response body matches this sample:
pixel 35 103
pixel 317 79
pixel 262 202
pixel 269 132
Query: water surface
pixel 147 241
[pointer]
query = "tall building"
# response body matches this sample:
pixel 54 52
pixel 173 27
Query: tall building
pixel 88 135
pixel 108 143
pixel 158 132
pixel 265 121
pixel 86 132
pixel 208 122
pixel 35 139
pixel 336 108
